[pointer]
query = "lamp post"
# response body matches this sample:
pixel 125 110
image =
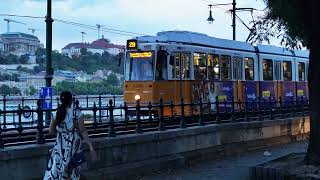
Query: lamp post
pixel 49 71
pixel 234 15
pixel 49 20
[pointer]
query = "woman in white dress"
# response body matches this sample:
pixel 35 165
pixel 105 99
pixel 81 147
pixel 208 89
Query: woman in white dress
pixel 69 131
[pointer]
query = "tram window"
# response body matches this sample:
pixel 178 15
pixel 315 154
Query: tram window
pixel 301 70
pixel 267 69
pixel 237 68
pixel 213 67
pixel 185 66
pixel 287 70
pixel 177 66
pixel 140 68
pixel 161 65
pixel 200 67
pixel 225 67
pixel 277 70
pixel 182 63
pixel 249 69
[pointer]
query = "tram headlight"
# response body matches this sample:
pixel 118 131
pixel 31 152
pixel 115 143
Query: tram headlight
pixel 137 97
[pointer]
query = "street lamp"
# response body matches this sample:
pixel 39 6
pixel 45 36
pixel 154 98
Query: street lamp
pixel 210 18
pixel 234 16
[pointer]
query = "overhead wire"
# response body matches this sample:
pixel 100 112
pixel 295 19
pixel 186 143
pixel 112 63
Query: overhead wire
pixel 87 26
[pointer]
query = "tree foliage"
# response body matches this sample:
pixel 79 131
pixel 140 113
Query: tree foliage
pixel 6 90
pixel 86 62
pixel 288 20
pixel 86 88
pixel 296 23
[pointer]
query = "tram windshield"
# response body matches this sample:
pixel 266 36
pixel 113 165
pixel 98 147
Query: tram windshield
pixel 139 66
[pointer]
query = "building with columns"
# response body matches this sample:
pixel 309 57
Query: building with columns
pixel 19 44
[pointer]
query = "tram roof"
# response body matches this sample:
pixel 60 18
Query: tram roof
pixel 188 37
pixel 269 49
pixel 300 53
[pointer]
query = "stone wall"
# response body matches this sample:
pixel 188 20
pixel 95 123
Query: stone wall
pixel 134 154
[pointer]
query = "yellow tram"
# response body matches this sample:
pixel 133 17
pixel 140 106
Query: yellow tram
pixel 188 65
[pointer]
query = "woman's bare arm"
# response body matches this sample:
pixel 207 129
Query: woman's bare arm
pixel 84 132
pixel 52 128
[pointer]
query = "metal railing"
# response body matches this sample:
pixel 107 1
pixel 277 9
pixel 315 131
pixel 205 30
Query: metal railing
pixel 106 118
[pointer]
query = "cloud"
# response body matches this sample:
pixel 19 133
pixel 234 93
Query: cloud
pixel 143 16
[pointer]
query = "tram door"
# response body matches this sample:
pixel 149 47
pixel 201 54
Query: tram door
pixel 181 84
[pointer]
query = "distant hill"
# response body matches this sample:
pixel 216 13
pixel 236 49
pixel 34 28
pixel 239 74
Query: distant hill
pixel 86 62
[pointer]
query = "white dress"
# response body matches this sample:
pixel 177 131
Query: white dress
pixel 67 143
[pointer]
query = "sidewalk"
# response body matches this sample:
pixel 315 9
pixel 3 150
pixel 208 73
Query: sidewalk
pixel 229 168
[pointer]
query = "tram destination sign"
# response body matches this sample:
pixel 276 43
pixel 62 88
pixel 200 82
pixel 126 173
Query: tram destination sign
pixel 146 54
pixel 132 44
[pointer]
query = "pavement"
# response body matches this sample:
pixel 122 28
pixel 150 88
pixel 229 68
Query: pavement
pixel 228 168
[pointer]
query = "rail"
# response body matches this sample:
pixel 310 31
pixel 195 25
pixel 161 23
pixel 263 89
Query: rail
pixel 118 120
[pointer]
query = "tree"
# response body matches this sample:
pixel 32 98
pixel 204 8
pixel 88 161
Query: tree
pixel 84 51
pixel 32 90
pixel 296 23
pixel 5 90
pixel 23 59
pixel 113 80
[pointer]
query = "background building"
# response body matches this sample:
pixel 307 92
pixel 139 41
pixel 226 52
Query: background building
pixel 99 46
pixel 19 44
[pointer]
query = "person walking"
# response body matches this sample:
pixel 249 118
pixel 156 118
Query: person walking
pixel 69 127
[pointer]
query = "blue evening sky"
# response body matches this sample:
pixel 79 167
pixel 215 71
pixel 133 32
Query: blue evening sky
pixel 142 16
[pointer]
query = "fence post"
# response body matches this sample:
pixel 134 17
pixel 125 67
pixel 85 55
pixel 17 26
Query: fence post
pixel 259 109
pixel 100 113
pixel 138 123
pixel 280 102
pixel 172 110
pixel 302 106
pixel 201 122
pixel 112 132
pixel 246 116
pixel 270 109
pixel 87 99
pixel 94 109
pixel 22 102
pixel 182 118
pixel 126 118
pixel 209 112
pixel 1 141
pixel 114 100
pixel 40 136
pixel 217 111
pixel 161 126
pixel 5 114
pixel 232 110
pixel 293 114
pixel 19 112
pixel 150 111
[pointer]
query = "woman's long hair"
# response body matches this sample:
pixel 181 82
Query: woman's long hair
pixel 66 101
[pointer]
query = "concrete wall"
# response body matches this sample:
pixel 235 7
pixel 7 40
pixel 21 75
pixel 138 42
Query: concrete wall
pixel 133 154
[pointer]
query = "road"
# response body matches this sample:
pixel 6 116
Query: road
pixel 229 168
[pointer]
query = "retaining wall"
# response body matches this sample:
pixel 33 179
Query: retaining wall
pixel 131 155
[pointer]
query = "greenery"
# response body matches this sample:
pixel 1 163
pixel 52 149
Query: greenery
pixel 6 90
pixel 296 23
pixel 13 59
pixel 32 90
pixel 86 61
pixel 108 86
